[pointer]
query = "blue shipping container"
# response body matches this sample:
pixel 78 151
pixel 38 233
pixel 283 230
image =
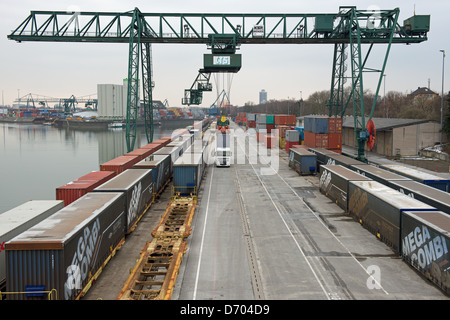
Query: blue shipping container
pixel 316 124
pixel 187 173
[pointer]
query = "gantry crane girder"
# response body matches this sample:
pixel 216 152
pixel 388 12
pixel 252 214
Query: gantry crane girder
pixel 349 28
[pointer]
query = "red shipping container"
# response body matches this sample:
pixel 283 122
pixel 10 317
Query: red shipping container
pixel 119 164
pixel 142 153
pixel 251 124
pixel 72 191
pixel 269 141
pixel 153 145
pixel 284 119
pixel 316 140
pixel 270 127
pixel 322 140
pixel 290 144
pixel 100 176
pixel 335 141
pixel 78 188
pixel 334 125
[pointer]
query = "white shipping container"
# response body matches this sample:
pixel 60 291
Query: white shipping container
pixel 292 135
pixel 20 219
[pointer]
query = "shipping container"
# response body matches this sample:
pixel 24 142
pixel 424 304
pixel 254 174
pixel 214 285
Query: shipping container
pixel 302 161
pixel 65 251
pixel 251 124
pixel 335 125
pixel 316 140
pixel 141 153
pixel 251 117
pixel 78 188
pixel 292 136
pixel 378 174
pixel 316 124
pixel 161 166
pixel 270 128
pixel 425 245
pixel 119 164
pixel 284 119
pixel 154 146
pixel 187 173
pixel 420 176
pixel 379 208
pixel 19 219
pixel 288 145
pixel 429 195
pixel 334 141
pixel 334 181
pixel 174 152
pixel 282 143
pixel 261 118
pixel 322 154
pixel 339 159
pixel 301 131
pixel 282 130
pixel 137 187
pixel 270 119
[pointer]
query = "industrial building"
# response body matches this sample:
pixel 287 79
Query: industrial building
pixel 396 137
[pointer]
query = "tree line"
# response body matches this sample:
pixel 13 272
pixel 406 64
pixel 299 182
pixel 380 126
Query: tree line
pixel 394 105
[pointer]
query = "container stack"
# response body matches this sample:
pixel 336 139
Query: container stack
pixel 292 138
pixel 323 132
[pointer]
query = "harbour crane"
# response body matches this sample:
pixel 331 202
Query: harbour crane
pixel 348 29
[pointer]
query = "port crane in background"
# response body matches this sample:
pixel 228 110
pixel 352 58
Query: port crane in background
pixel 69 105
pixel 348 29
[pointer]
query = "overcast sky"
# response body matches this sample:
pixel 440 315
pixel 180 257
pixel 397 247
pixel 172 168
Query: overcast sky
pixel 284 71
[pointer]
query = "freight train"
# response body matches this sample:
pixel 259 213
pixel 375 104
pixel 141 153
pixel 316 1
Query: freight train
pixel 412 218
pixel 60 255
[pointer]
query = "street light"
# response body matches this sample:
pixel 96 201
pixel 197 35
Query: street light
pixel 442 92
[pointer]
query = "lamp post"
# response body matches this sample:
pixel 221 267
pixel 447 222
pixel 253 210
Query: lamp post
pixel 442 92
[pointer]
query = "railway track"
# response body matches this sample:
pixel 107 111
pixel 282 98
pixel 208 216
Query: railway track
pixel 155 273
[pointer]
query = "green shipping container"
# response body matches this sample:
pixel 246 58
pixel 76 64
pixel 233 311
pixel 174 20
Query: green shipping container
pixel 270 119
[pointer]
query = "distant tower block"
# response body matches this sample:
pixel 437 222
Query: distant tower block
pixel 262 96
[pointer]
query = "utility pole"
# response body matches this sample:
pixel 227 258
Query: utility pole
pixel 442 92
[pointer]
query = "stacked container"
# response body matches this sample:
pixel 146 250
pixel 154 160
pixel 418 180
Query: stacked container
pixel 17 220
pixel 188 172
pixel 120 164
pixel 79 187
pixel 161 166
pixel 284 119
pixel 137 187
pixel 64 251
pixel 292 138
pixel 323 132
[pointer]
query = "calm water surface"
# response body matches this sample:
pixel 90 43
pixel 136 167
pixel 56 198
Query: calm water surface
pixel 36 159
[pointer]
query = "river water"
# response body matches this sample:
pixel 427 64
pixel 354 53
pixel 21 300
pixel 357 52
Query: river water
pixel 36 159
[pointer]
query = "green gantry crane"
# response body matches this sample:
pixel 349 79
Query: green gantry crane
pixel 348 29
